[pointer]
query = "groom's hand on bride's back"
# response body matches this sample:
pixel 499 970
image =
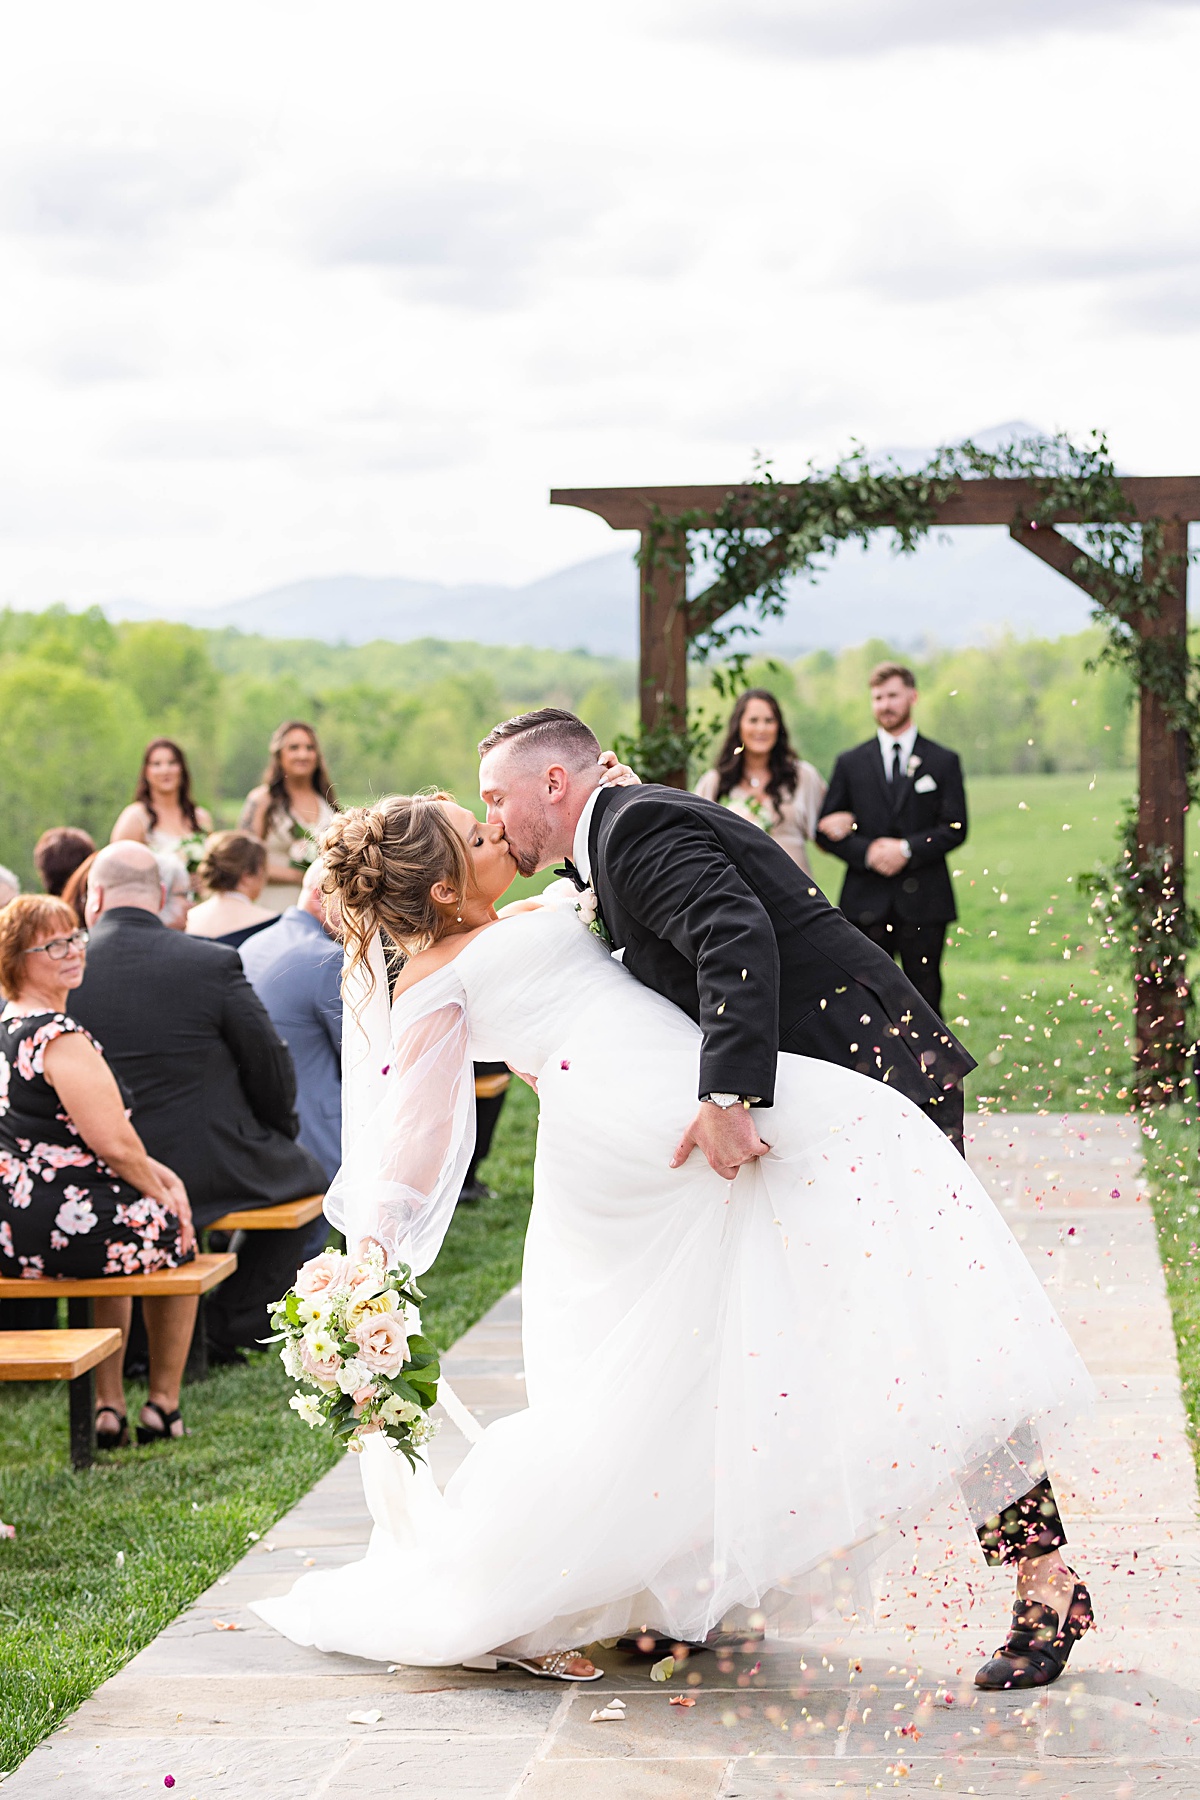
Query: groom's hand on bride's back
pixel 728 1137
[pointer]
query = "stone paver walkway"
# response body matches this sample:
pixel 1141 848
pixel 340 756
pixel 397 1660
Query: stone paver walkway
pixel 890 1709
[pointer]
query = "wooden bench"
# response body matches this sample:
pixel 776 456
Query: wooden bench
pixel 289 1215
pixel 62 1356
pixel 196 1277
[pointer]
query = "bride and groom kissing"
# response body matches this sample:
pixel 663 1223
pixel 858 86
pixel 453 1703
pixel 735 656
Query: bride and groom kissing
pixel 769 1316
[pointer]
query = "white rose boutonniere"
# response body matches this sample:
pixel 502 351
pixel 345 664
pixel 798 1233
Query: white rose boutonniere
pixel 911 766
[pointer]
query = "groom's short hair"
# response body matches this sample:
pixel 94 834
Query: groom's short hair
pixel 550 732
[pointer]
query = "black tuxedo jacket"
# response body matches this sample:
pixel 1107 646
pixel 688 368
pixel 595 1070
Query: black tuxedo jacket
pixel 713 915
pixel 932 818
pixel 213 1085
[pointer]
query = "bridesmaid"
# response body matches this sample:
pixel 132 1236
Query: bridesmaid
pixel 289 810
pixel 759 776
pixel 162 813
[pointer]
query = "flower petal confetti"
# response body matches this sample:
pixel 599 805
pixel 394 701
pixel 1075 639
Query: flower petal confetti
pixel 663 1671
pixel 682 1700
pixel 364 1718
pixel 615 1709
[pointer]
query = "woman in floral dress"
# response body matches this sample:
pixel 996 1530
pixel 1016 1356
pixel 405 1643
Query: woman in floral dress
pixel 78 1194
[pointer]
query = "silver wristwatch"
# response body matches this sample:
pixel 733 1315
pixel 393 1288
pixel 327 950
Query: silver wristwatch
pixel 725 1101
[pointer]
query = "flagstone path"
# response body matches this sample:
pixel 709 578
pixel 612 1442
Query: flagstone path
pixel 887 1710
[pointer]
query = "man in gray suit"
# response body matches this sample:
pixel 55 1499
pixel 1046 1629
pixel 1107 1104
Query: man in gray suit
pixel 295 968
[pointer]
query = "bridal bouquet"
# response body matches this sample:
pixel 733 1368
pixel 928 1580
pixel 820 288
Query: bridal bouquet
pixel 302 848
pixel 347 1335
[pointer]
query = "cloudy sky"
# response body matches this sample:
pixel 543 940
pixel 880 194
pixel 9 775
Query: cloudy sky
pixel 290 289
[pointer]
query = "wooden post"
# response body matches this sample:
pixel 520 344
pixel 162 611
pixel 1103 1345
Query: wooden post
pixel 663 593
pixel 1161 1041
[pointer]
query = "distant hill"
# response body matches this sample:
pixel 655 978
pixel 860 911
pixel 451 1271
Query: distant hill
pixel 953 592
pixel 958 588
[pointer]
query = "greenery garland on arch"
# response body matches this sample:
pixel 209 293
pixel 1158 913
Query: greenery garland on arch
pixel 768 534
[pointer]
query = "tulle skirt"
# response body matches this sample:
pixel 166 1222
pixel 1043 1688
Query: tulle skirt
pixel 737 1392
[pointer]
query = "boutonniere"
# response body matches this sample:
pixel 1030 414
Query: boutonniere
pixel 912 765
pixel 588 908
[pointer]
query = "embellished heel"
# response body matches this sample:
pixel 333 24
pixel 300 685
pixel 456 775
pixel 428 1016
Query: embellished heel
pixel 1036 1650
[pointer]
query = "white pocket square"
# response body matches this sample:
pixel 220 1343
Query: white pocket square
pixel 926 785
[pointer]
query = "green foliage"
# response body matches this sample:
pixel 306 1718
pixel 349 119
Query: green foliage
pixel 67 743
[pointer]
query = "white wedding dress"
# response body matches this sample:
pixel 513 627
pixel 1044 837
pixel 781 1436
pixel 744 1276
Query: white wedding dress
pixel 736 1392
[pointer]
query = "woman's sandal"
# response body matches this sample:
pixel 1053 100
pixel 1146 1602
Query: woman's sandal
pixel 112 1440
pixel 1037 1648
pixel 547 1668
pixel 155 1434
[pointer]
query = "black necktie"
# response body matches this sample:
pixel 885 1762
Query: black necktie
pixel 895 765
pixel 571 873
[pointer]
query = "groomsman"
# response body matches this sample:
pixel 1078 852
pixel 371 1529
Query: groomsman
pixel 895 807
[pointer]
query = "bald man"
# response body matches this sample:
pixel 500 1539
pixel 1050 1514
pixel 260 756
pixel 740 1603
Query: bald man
pixel 211 1081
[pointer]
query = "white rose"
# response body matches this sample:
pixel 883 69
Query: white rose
pixel 353 1374
pixel 307 1408
pixel 587 906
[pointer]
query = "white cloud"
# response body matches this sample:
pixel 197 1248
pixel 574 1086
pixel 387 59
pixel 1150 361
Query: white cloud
pixel 858 28
pixel 286 292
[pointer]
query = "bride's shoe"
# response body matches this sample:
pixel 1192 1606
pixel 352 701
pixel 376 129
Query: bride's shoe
pixel 547 1668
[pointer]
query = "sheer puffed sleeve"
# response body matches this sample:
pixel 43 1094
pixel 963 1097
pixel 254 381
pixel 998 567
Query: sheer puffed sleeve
pixel 405 1155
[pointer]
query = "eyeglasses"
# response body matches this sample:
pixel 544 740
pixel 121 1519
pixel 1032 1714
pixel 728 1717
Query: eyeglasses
pixel 58 949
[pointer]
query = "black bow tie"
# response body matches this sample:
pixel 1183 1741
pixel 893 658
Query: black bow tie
pixel 571 873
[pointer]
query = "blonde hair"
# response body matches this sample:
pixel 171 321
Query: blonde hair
pixel 382 861
pixel 22 922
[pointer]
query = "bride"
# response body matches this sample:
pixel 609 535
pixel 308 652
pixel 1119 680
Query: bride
pixel 738 1393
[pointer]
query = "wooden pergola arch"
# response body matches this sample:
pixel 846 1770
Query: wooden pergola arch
pixel 669 620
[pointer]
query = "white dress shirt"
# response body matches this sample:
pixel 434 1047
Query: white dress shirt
pixel 886 742
pixel 580 854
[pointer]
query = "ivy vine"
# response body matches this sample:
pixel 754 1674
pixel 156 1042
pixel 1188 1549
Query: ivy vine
pixel 767 534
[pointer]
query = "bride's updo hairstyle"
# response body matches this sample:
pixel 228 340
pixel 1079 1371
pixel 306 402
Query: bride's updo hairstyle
pixel 382 861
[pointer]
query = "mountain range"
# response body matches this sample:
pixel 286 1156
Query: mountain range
pixel 957 588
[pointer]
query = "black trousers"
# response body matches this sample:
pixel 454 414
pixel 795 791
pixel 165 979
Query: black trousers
pixel 491 1085
pixel 917 946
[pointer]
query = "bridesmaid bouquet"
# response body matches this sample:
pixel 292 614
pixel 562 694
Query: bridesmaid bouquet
pixel 349 1334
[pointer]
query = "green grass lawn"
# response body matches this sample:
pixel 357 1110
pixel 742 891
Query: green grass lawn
pixel 1050 1026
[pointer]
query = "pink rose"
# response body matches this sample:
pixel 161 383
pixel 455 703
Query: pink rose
pixel 382 1340
pixel 319 1368
pixel 322 1274
pixel 363 1394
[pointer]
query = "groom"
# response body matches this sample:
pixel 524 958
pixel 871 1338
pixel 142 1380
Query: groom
pixel 706 909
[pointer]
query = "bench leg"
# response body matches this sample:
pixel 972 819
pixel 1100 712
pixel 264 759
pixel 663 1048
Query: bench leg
pixel 82 1391
pixel 82 1400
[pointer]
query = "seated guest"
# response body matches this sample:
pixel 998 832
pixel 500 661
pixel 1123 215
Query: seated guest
pixel 79 1195
pixel 58 853
pixel 10 885
pixel 213 1087
pixel 75 891
pixel 234 870
pixel 177 887
pixel 296 971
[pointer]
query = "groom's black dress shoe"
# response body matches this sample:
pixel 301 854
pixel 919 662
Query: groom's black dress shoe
pixel 1036 1650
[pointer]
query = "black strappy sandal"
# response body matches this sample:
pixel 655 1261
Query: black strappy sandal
pixel 1037 1648
pixel 112 1440
pixel 155 1434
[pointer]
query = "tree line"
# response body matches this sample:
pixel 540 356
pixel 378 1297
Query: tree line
pixel 80 696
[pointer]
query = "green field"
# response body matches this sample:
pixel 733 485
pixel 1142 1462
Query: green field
pixel 1050 1027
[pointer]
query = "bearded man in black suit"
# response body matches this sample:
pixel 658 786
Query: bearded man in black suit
pixel 896 806
pixel 709 911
